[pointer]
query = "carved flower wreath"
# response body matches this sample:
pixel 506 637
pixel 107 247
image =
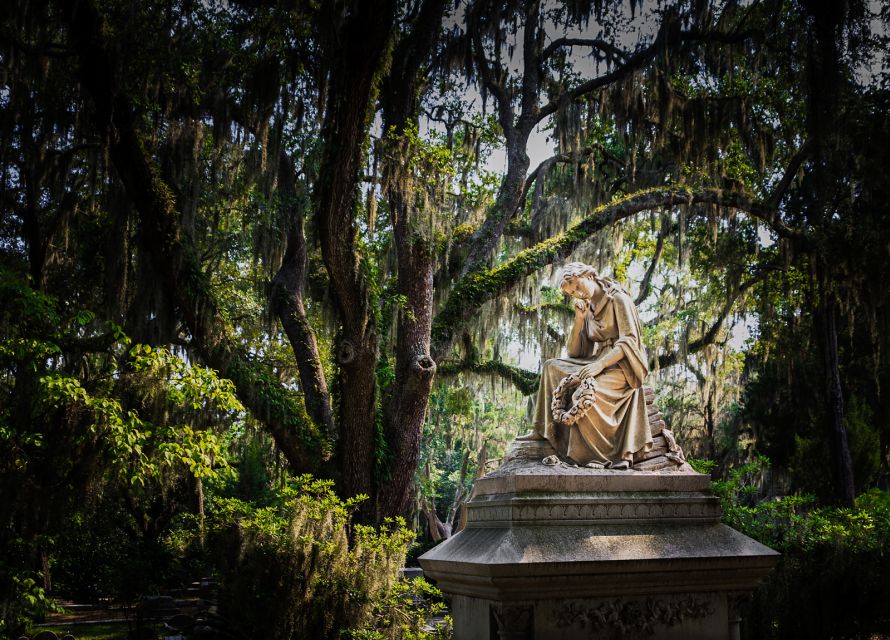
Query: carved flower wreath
pixel 572 398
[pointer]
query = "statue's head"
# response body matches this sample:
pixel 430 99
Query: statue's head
pixel 580 280
pixel 574 270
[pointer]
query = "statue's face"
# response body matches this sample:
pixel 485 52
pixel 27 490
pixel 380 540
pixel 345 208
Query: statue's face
pixel 582 288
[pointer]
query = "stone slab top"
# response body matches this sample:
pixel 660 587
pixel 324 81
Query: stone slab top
pixel 530 475
pixel 540 563
pixel 576 549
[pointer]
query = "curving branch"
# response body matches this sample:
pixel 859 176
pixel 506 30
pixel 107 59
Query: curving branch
pixel 667 37
pixel 710 336
pixel 480 286
pixel 536 177
pixel 790 172
pixel 646 283
pixel 525 381
pixel 606 48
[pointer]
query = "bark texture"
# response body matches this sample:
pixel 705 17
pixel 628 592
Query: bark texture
pixel 360 53
pixel 414 369
pixel 288 289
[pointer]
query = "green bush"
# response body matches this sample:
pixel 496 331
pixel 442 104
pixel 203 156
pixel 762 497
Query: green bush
pixel 831 581
pixel 22 600
pixel 302 569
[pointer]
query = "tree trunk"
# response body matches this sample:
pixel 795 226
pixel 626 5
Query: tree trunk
pixel 507 202
pixel 415 369
pixel 843 463
pixel 287 300
pixel 358 60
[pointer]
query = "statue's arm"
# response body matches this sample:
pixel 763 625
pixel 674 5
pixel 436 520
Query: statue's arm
pixel 578 344
pixel 629 345
pixel 611 357
pixel 628 331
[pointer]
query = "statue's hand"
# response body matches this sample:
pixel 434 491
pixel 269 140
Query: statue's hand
pixel 590 370
pixel 580 307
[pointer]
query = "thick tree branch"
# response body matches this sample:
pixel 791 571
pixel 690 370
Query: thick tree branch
pixel 288 288
pixel 607 48
pixel 790 172
pixel 532 43
pixel 525 381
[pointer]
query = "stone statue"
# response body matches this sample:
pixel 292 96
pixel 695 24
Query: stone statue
pixel 591 406
pixel 682 579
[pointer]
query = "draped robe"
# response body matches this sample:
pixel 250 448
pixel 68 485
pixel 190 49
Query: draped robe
pixel 616 426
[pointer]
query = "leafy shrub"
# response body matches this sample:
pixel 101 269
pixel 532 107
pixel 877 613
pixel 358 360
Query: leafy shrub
pixel 22 600
pixel 302 569
pixel 831 581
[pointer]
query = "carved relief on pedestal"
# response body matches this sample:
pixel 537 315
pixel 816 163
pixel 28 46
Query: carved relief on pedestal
pixel 514 621
pixel 630 618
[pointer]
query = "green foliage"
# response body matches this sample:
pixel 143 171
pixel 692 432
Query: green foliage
pixel 139 449
pixel 108 552
pixel 227 101
pixel 864 435
pixel 301 568
pixel 102 440
pixel 22 600
pixel 701 465
pixel 467 426
pixel 795 523
pixel 403 612
pixel 831 580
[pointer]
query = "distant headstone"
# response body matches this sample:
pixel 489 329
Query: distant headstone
pixel 204 632
pixel 181 622
pixel 46 635
pixel 410 573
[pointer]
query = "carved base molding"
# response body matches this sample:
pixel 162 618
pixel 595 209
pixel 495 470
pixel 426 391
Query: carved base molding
pixel 633 618
pixel 695 616
pixel 583 554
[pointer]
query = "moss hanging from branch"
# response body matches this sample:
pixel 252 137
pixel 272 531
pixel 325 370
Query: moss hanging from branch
pixel 478 287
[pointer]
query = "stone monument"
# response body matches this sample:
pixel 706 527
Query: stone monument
pixel 594 526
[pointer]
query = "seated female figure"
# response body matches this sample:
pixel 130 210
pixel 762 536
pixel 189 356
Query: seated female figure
pixel 605 345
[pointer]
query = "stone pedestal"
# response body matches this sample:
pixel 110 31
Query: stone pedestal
pixel 569 553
